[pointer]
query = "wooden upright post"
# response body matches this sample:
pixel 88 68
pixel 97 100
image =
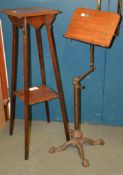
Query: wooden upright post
pixel 4 99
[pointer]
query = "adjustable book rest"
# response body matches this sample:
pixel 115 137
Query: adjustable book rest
pixel 96 28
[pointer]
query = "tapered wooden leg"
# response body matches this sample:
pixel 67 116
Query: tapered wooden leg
pixel 26 91
pixel 41 61
pixel 58 80
pixel 14 75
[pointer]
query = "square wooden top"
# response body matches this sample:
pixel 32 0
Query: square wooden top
pixel 93 26
pixel 29 12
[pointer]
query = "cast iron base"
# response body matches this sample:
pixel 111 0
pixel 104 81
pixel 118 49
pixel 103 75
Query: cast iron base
pixel 77 140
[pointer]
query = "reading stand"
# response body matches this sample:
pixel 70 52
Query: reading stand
pixel 96 28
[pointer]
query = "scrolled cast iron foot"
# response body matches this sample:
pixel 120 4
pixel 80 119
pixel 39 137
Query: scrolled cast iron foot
pixel 85 163
pixel 93 142
pixel 52 149
pixel 63 146
pixel 75 136
pixel 77 144
pixel 77 140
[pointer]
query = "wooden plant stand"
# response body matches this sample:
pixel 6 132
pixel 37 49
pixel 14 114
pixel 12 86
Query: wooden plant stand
pixel 36 17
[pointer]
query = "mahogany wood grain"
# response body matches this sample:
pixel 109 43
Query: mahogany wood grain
pixel 93 26
pixel 2 113
pixel 42 68
pixel 26 84
pixel 29 12
pixel 36 17
pixel 14 76
pixel 57 76
pixel 3 75
pixel 38 94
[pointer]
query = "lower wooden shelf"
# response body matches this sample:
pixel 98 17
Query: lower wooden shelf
pixel 38 94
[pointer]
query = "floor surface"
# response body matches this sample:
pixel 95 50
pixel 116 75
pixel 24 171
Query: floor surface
pixel 104 160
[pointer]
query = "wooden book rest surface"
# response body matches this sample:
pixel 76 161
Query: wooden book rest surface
pixel 93 26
